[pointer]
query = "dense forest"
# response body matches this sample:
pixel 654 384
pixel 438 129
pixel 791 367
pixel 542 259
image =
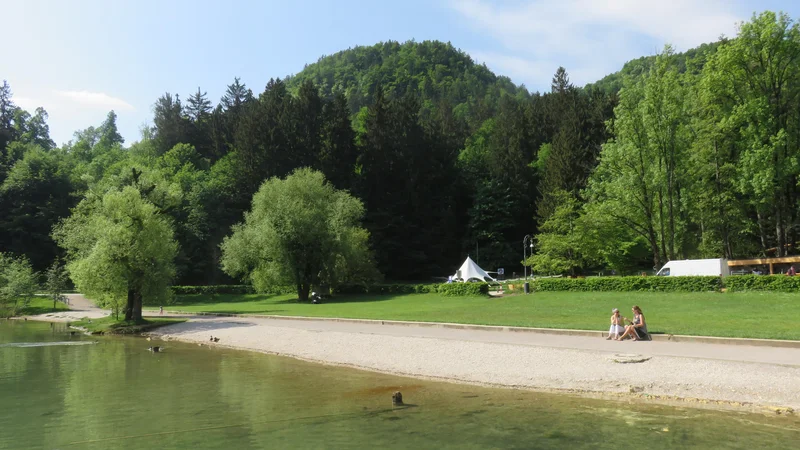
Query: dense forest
pixel 678 155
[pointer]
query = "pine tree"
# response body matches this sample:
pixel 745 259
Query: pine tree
pixel 236 95
pixel 109 134
pixel 337 156
pixel 199 107
pixel 7 109
pixel 170 125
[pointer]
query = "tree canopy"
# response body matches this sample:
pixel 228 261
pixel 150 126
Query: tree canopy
pixel 300 231
pixel 120 250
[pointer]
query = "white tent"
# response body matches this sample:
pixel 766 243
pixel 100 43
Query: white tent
pixel 469 270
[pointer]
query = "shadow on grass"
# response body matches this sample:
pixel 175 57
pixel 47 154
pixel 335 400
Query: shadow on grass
pixel 36 310
pixel 237 312
pixel 363 298
pixel 199 299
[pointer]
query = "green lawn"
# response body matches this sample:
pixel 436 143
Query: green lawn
pixel 110 325
pixel 757 315
pixel 37 305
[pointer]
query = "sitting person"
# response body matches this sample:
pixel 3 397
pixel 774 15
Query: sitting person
pixel 616 325
pixel 637 329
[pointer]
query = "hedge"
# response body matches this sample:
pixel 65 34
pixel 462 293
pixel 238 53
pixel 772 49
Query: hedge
pixel 776 283
pixel 213 289
pixel 628 284
pixel 446 289
pixel 462 289
pixel 236 289
pixel 384 289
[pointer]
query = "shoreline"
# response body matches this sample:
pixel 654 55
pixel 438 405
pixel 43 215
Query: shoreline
pixel 674 381
pixel 664 400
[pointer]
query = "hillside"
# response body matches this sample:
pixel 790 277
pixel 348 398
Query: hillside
pixel 439 72
pixel 612 83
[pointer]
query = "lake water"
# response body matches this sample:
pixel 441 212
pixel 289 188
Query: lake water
pixel 59 391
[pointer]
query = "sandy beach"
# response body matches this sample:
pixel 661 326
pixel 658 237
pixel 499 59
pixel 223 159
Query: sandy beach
pixel 722 376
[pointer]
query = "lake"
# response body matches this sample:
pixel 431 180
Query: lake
pixel 59 391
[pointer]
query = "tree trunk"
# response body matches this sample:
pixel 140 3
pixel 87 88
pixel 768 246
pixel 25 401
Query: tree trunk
pixel 129 305
pixel 670 200
pixel 779 231
pixel 723 220
pixel 661 225
pixel 302 291
pixel 137 307
pixel 762 233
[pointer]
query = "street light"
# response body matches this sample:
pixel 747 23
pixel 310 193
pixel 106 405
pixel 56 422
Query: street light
pixel 525 240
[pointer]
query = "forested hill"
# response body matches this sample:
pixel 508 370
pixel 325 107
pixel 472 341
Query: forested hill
pixel 691 60
pixel 438 72
pixel 676 156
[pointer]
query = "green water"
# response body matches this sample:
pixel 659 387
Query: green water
pixel 116 394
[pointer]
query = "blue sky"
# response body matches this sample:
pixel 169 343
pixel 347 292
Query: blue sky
pixel 81 58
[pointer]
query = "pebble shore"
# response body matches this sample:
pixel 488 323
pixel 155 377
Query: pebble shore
pixel 769 387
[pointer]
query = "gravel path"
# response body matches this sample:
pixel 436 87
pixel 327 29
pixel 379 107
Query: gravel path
pixel 702 373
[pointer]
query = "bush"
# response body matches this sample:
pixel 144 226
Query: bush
pixel 776 283
pixel 629 284
pixel 463 289
pixel 446 289
pixel 213 290
pixel 385 289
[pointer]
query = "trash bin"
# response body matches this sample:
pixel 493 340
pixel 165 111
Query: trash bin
pixel 527 288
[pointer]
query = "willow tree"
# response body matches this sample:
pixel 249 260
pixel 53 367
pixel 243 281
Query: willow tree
pixel 301 231
pixel 120 247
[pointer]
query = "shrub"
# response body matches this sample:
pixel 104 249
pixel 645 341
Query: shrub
pixel 776 283
pixel 446 289
pixel 385 289
pixel 463 289
pixel 213 290
pixel 629 284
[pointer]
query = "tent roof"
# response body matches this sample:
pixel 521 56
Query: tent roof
pixel 471 270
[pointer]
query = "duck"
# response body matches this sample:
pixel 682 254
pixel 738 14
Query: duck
pixel 154 349
pixel 216 339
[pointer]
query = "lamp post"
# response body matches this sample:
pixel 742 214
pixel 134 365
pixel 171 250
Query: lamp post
pixel 525 241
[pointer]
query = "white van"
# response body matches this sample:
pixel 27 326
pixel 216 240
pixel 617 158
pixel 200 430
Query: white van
pixel 695 267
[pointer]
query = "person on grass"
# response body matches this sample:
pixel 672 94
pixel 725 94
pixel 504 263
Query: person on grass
pixel 616 325
pixel 637 329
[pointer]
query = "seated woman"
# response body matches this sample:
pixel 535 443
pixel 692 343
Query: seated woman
pixel 616 325
pixel 637 330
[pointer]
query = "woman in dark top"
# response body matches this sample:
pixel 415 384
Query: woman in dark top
pixel 637 329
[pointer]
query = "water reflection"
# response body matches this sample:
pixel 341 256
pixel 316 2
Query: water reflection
pixel 115 394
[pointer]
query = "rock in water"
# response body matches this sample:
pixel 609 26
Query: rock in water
pixel 397 398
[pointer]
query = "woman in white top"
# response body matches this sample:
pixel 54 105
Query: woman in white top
pixel 616 325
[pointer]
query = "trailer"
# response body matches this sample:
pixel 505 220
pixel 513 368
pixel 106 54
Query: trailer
pixel 695 267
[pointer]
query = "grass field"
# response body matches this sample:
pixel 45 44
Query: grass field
pixel 110 325
pixel 37 305
pixel 756 315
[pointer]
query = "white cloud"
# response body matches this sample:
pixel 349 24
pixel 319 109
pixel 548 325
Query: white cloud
pixel 26 103
pixel 515 67
pixel 98 100
pixel 74 110
pixel 590 38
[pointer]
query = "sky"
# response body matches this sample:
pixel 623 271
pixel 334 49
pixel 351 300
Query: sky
pixel 80 59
